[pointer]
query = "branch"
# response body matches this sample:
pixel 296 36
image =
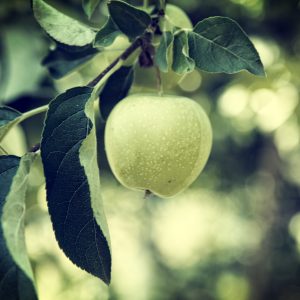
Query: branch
pixel 135 45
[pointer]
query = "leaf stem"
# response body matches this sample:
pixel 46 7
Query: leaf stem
pixel 33 112
pixel 25 116
pixel 162 4
pixel 3 150
pixel 146 3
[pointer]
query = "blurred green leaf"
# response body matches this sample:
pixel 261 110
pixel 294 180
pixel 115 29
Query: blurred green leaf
pixel 218 44
pixel 129 19
pixel 3 64
pixel 61 27
pixel 19 61
pixel 115 89
pixel 61 62
pixel 161 56
pixel 8 118
pixel 69 155
pixel 107 34
pixel 182 63
pixel 16 277
pixel 89 6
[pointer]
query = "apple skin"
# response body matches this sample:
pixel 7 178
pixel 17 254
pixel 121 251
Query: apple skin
pixel 157 143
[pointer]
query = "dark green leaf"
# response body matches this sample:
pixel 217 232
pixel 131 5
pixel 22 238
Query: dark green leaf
pixel 129 19
pixel 182 63
pixel 61 27
pixel 69 155
pixel 61 62
pixel 107 34
pixel 218 44
pixel 89 6
pixel 115 89
pixel 16 278
pixel 8 118
pixel 162 53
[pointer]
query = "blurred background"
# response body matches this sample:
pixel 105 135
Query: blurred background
pixel 235 234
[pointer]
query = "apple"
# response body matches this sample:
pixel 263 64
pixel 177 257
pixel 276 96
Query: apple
pixel 157 143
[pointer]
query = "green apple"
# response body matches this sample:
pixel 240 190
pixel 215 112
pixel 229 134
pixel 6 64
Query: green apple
pixel 157 143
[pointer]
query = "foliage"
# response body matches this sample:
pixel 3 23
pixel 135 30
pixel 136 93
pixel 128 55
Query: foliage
pixel 16 276
pixel 68 145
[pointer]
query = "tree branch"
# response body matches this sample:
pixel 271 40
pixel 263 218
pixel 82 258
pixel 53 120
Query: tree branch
pixel 135 45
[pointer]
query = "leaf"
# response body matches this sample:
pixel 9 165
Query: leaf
pixel 69 156
pixel 161 56
pixel 60 62
pixel 22 53
pixel 89 6
pixel 182 63
pixel 115 89
pixel 16 278
pixel 129 19
pixel 3 65
pixel 8 118
pixel 61 27
pixel 218 44
pixel 107 34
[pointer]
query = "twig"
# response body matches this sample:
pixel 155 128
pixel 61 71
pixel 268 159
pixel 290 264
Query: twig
pixel 135 45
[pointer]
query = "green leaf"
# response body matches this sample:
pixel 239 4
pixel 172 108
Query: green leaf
pixel 115 89
pixel 89 6
pixel 20 61
pixel 129 19
pixel 14 214
pixel 60 62
pixel 218 44
pixel 61 27
pixel 3 65
pixel 8 118
pixel 182 63
pixel 162 53
pixel 107 34
pixel 16 277
pixel 69 156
